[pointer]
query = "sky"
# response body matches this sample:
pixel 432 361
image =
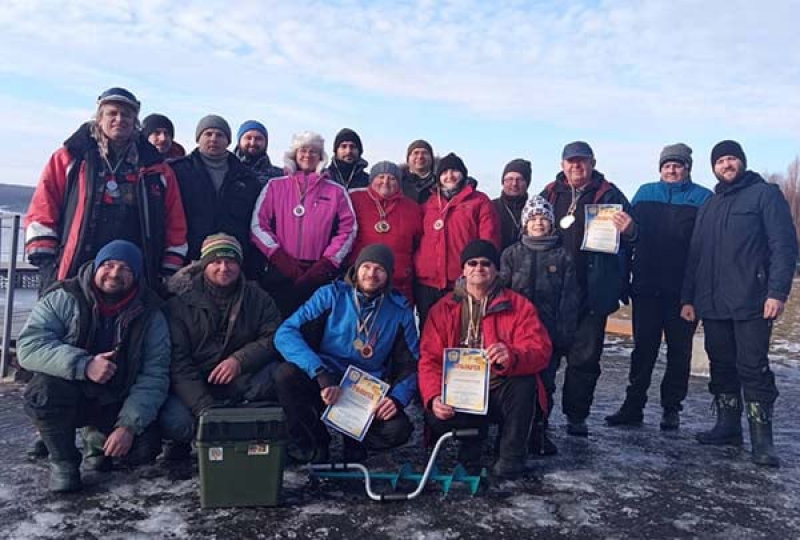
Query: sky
pixel 491 81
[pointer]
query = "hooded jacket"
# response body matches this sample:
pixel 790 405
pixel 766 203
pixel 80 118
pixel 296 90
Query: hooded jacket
pixel 743 251
pixel 61 329
pixel 468 216
pixel 61 212
pixel 405 221
pixel 331 318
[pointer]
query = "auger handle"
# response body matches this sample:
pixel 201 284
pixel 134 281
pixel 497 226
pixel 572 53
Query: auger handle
pixel 465 433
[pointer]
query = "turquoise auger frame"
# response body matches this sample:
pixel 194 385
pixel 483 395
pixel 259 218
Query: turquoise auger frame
pixel 353 471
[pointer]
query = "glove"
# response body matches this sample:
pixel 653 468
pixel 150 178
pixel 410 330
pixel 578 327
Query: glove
pixel 321 272
pixel 286 264
pixel 326 379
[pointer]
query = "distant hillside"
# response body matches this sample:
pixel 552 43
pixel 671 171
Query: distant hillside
pixel 15 198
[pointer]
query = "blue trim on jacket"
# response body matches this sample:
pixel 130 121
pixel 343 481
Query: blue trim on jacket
pixel 336 349
pixel 681 193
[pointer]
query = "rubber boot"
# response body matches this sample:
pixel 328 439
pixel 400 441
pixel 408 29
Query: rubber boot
pixel 94 457
pixel 65 460
pixel 38 449
pixel 670 420
pixel 728 429
pixel 759 416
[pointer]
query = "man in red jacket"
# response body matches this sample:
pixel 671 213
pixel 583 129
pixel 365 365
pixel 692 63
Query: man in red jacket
pixel 480 313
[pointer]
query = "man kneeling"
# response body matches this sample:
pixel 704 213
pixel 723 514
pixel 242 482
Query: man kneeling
pixel 222 330
pixel 361 322
pixel 99 349
pixel 480 313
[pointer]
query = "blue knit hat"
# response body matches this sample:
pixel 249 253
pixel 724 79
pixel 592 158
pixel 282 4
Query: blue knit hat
pixel 121 250
pixel 251 125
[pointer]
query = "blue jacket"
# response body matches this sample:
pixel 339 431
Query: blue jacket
pixel 332 310
pixel 665 214
pixel 743 251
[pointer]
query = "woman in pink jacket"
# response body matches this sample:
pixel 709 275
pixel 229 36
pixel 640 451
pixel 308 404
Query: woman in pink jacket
pixel 304 224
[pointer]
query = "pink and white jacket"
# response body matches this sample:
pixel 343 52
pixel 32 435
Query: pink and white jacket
pixel 327 229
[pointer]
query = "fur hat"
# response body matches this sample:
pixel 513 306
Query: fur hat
pixel 305 138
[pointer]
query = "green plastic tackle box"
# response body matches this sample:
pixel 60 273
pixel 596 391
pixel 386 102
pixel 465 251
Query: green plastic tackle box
pixel 241 453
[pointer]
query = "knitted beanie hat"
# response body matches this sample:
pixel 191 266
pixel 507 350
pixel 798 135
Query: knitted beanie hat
pixel 220 246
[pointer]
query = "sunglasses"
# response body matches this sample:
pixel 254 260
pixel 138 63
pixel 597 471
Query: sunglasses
pixel 483 263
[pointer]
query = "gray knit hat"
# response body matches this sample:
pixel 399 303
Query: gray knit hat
pixel 212 121
pixel 676 152
pixel 385 167
pixel 537 205
pixel 378 254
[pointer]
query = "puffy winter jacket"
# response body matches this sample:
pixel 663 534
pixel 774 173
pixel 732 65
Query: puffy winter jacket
pixel 743 251
pixel 546 277
pixel 59 332
pixel 510 318
pixel 332 312
pixel 405 221
pixel 198 344
pixel 468 216
pixel 62 210
pixel 327 229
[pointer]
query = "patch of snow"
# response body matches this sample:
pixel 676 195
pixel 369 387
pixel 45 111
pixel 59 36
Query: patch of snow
pixel 529 511
pixel 41 525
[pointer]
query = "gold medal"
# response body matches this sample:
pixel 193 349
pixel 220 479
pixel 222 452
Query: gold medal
pixel 358 344
pixel 366 351
pixel 567 221
pixel 382 226
pixel 438 225
pixel 299 210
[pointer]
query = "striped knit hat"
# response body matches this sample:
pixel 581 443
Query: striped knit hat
pixel 220 246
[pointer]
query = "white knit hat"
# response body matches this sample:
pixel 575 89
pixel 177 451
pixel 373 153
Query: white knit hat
pixel 305 138
pixel 537 205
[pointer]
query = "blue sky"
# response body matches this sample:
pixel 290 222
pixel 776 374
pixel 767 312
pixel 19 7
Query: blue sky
pixel 491 81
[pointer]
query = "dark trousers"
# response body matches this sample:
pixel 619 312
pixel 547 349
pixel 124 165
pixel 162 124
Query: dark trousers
pixel 426 297
pixel 583 366
pixel 59 406
pixel 652 316
pixel 548 376
pixel 737 351
pixel 302 404
pixel 512 404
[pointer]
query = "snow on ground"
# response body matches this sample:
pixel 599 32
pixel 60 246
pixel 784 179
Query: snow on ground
pixel 617 483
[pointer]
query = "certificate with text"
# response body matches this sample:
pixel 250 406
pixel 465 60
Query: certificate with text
pixel 600 234
pixel 465 380
pixel 353 412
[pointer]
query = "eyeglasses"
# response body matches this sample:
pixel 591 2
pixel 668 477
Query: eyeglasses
pixel 483 263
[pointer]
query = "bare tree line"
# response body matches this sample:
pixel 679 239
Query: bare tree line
pixel 790 186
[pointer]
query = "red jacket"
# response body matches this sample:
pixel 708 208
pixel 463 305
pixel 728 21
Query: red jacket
pixel 405 221
pixel 468 216
pixel 510 318
pixel 62 203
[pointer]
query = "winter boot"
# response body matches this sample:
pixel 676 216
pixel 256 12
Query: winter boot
pixel 65 460
pixel 670 420
pixel 577 428
pixel 508 468
pixel 38 449
pixel 94 457
pixel 469 455
pixel 627 415
pixel 353 451
pixel 177 451
pixel 759 416
pixel 539 444
pixel 728 429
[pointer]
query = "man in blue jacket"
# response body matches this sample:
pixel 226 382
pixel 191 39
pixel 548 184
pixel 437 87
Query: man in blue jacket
pixel 359 321
pixel 665 213
pixel 99 348
pixel 738 277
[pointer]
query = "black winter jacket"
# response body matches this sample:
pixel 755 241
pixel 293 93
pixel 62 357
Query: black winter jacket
pixel 545 275
pixel 743 251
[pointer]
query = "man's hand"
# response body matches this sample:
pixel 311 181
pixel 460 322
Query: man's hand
pixel 687 313
pixel 226 371
pixel 101 367
pixel 623 222
pixel 119 443
pixel 442 411
pixel 498 354
pixel 773 308
pixel 330 394
pixel 386 409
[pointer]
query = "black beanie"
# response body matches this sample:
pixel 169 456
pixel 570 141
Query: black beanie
pixel 157 121
pixel 347 135
pixel 728 148
pixel 451 162
pixel 419 143
pixel 521 166
pixel 378 254
pixel 481 248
